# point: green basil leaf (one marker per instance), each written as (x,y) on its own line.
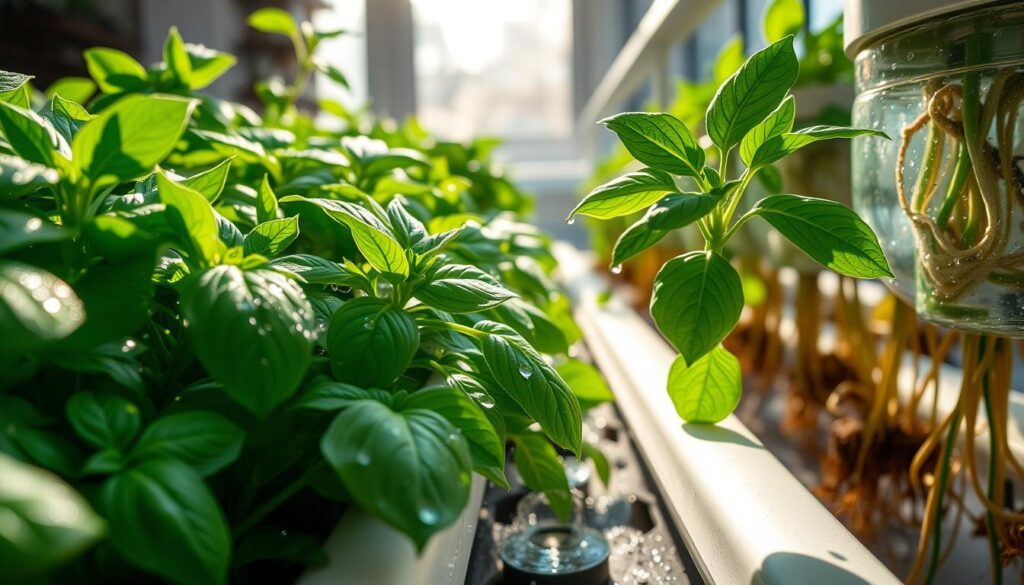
(32,137)
(207,65)
(103,420)
(783,18)
(786,144)
(164,519)
(747,97)
(116,361)
(19,229)
(371,235)
(193,217)
(410,468)
(474,389)
(669,213)
(534,385)
(777,123)
(324,394)
(433,245)
(10,81)
(115,71)
(541,469)
(586,383)
(228,232)
(461,288)
(317,270)
(697,300)
(486,447)
(409,231)
(113,312)
(266,320)
(708,390)
(266,202)
(46,523)
(48,450)
(66,117)
(635,239)
(536,326)
(209,183)
(828,232)
(19,176)
(604,469)
(272,237)
(103,462)
(659,141)
(205,441)
(681,209)
(370,342)
(36,307)
(127,140)
(14,88)
(274,21)
(333,73)
(176,58)
(625,195)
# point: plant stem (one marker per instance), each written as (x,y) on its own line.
(956,185)
(475,333)
(925,179)
(279,498)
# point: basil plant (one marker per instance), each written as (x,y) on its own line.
(219,330)
(698,296)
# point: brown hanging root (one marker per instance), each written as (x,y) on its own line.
(874,438)
(987,366)
(805,400)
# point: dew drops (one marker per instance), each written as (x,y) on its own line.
(571,221)
(51,305)
(525,370)
(33,224)
(363,458)
(128,346)
(428,516)
(252,321)
(617,269)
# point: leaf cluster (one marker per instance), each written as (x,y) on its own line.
(209,317)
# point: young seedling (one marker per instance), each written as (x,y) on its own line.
(698,296)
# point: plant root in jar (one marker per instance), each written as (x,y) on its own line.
(962,226)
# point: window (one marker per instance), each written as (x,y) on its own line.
(347,52)
(494,67)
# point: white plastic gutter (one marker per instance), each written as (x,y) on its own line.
(744,517)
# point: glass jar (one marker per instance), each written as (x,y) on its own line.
(946,194)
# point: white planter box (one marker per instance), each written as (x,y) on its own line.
(364,551)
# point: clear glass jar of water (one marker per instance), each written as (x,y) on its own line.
(946,194)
